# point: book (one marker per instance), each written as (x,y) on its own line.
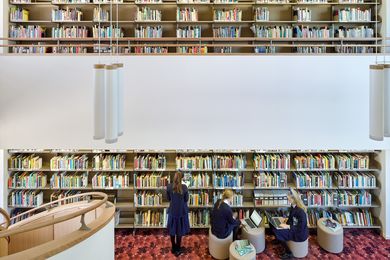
(194,162)
(243,247)
(271,161)
(150,162)
(28,180)
(25,162)
(69,180)
(270,180)
(109,162)
(67,14)
(148,14)
(69,162)
(232,162)
(199,217)
(228,180)
(199,198)
(151,180)
(232,15)
(147,198)
(111,181)
(187,14)
(331,225)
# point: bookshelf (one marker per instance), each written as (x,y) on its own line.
(195,27)
(344,184)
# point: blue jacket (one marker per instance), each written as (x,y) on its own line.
(298,224)
(177,202)
(222,221)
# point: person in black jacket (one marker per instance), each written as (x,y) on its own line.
(295,228)
(178,223)
(223,221)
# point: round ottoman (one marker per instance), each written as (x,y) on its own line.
(219,248)
(298,249)
(256,237)
(331,241)
(233,255)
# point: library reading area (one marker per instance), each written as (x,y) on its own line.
(194,129)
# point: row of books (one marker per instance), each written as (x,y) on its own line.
(150,162)
(228,180)
(270,198)
(148,32)
(238,198)
(198,198)
(199,180)
(272,161)
(109,162)
(199,218)
(107,32)
(100,15)
(243,213)
(302,14)
(194,162)
(354,49)
(18,14)
(69,32)
(229,162)
(107,181)
(147,49)
(310,161)
(344,217)
(28,180)
(313,180)
(353,161)
(189,32)
(187,14)
(352,15)
(356,180)
(148,14)
(147,198)
(69,162)
(308,49)
(151,218)
(192,49)
(270,180)
(68,14)
(336,198)
(27,162)
(262,14)
(69,180)
(30,31)
(228,15)
(25,198)
(151,180)
(57,195)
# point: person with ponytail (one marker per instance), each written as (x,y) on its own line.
(295,226)
(178,223)
(223,221)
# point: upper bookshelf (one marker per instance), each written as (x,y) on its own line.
(196,27)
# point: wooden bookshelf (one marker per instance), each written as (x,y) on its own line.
(280,15)
(124,196)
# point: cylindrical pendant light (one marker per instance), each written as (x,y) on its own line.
(376,102)
(111,115)
(386,100)
(120,98)
(99,101)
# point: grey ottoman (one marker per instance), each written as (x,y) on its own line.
(298,249)
(256,237)
(331,241)
(219,248)
(233,255)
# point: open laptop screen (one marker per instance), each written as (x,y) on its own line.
(256,218)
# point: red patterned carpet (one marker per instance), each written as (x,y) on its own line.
(155,244)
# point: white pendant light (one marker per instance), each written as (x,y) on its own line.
(120,98)
(99,101)
(376,102)
(386,96)
(111,114)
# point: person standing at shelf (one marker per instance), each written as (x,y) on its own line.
(178,223)
(223,220)
(294,227)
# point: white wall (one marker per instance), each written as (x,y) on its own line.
(99,246)
(291,102)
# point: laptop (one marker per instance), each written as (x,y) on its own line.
(275,221)
(254,220)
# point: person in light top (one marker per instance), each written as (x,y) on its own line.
(223,220)
(295,227)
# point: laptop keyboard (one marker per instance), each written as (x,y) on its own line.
(250,223)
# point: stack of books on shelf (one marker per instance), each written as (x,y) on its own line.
(28,180)
(107,32)
(110,181)
(309,49)
(232,162)
(353,49)
(272,161)
(283,31)
(100,15)
(150,50)
(228,180)
(270,198)
(355,180)
(350,14)
(109,162)
(31,49)
(23,32)
(302,14)
(319,198)
(270,180)
(106,1)
(69,32)
(265,49)
(238,198)
(198,198)
(355,32)
(194,163)
(227,32)
(197,180)
(355,198)
(71,1)
(272,1)
(148,1)
(308,32)
(354,218)
(151,218)
(199,217)
(225,1)
(243,213)
(19,14)
(26,162)
(69,180)
(148,32)
(69,162)
(147,198)
(25,198)
(313,180)
(66,15)
(148,162)
(151,180)
(66,49)
(232,15)
(223,49)
(312,161)
(148,14)
(311,1)
(189,32)
(353,162)
(188,14)
(262,14)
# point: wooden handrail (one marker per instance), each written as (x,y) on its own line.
(80,212)
(7,218)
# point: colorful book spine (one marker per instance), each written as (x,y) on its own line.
(100,15)
(309,49)
(188,14)
(110,181)
(272,1)
(148,1)
(199,218)
(238,198)
(109,162)
(228,180)
(68,49)
(72,162)
(193,1)
(69,180)
(19,14)
(198,198)
(309,32)
(69,32)
(30,31)
(233,15)
(349,14)
(355,180)
(243,213)
(355,198)
(148,14)
(270,198)
(151,180)
(229,162)
(150,50)
(272,161)
(302,14)
(227,32)
(192,49)
(265,49)
(312,1)
(313,215)
(66,15)
(107,32)
(106,1)
(270,180)
(71,1)
(25,198)
(27,180)
(147,198)
(272,32)
(319,198)
(353,162)
(355,32)
(148,162)
(25,162)
(150,218)
(225,1)
(29,50)
(313,180)
(353,49)
(148,32)
(194,163)
(199,180)
(312,161)
(57,195)
(262,14)
(189,32)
